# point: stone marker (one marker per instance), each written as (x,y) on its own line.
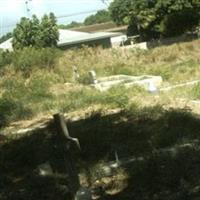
(45,169)
(93,77)
(152,88)
(75,74)
(83,194)
(148,82)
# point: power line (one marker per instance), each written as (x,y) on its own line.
(76,14)
(28,10)
(61,16)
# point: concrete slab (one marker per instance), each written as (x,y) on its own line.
(105,83)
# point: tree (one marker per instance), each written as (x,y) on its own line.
(120,11)
(156,18)
(5,37)
(22,34)
(35,32)
(100,17)
(48,32)
(73,24)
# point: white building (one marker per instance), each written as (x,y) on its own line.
(69,39)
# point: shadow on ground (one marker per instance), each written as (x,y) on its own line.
(167,140)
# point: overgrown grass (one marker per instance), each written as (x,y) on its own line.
(195,91)
(167,140)
(5,58)
(40,93)
(175,63)
(28,76)
(139,130)
(191,92)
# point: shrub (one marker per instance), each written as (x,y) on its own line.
(116,97)
(24,60)
(11,109)
(38,88)
(23,97)
(5,58)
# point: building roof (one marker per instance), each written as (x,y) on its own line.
(102,27)
(7,45)
(68,37)
(80,37)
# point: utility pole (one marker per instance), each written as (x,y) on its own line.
(1,23)
(106,2)
(28,10)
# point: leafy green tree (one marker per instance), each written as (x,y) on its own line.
(22,34)
(100,17)
(48,32)
(120,11)
(36,33)
(73,24)
(156,18)
(5,37)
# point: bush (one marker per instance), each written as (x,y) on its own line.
(116,97)
(5,58)
(38,88)
(23,97)
(24,60)
(11,109)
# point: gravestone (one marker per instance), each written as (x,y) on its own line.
(83,194)
(93,78)
(75,74)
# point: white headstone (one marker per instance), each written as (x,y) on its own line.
(75,74)
(83,194)
(152,88)
(45,169)
(92,75)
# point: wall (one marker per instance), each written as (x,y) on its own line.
(105,43)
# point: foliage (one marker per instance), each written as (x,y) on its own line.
(5,58)
(20,94)
(73,24)
(195,91)
(36,78)
(12,110)
(120,11)
(26,59)
(36,33)
(159,172)
(100,17)
(156,18)
(5,37)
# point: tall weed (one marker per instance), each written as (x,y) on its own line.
(29,58)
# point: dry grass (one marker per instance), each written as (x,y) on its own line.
(46,91)
(148,125)
(176,63)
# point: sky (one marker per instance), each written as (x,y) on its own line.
(12,10)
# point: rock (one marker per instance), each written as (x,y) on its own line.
(83,194)
(45,169)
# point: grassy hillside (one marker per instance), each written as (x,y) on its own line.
(36,82)
(159,129)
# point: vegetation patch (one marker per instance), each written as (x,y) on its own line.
(167,140)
